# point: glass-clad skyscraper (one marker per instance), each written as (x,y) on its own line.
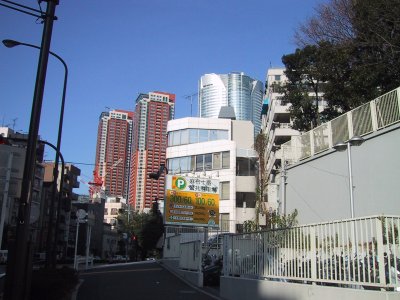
(237,90)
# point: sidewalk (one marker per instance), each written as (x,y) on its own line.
(212,291)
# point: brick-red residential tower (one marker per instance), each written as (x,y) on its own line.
(152,112)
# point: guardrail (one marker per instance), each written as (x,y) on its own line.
(361,252)
(88,261)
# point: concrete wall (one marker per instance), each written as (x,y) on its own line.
(242,134)
(172,265)
(319,187)
(239,288)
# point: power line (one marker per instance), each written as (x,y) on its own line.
(306,203)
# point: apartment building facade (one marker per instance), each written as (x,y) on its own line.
(152,113)
(113,152)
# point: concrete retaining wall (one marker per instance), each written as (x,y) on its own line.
(195,278)
(240,288)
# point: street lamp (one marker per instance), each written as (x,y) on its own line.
(342,146)
(10,44)
(19,268)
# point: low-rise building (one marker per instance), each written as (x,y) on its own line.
(112,207)
(221,149)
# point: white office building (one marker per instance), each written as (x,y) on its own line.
(221,149)
(237,90)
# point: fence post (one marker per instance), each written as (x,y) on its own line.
(374,116)
(312,142)
(398,98)
(225,254)
(350,124)
(313,253)
(380,249)
(199,266)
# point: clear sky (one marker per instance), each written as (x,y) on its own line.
(117,49)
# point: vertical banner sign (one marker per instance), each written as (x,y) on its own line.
(192,201)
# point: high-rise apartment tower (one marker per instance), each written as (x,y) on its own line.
(113,151)
(152,112)
(237,90)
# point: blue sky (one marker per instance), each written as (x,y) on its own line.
(115,50)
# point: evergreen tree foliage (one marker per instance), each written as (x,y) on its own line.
(152,231)
(147,228)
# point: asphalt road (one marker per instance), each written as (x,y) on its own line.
(143,280)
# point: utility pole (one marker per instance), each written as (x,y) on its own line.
(19,269)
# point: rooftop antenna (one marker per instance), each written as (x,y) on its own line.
(191,102)
(14,122)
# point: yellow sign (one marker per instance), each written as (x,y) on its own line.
(191,208)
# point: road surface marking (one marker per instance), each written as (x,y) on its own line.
(121,271)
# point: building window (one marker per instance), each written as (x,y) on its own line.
(245,166)
(217,160)
(106,211)
(176,138)
(203,135)
(225,187)
(225,160)
(193,136)
(199,162)
(245,199)
(224,222)
(213,135)
(185,137)
(208,161)
(114,211)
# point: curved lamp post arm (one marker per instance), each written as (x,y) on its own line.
(10,44)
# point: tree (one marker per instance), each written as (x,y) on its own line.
(377,39)
(132,223)
(260,146)
(282,221)
(250,226)
(303,87)
(152,231)
(353,49)
(332,23)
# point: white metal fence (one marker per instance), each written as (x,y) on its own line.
(190,256)
(190,245)
(171,247)
(372,116)
(361,252)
